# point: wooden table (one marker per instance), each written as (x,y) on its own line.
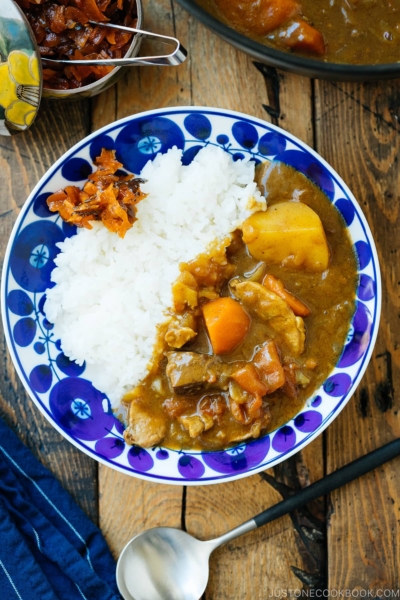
(350,540)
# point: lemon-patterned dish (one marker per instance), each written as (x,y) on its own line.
(20,72)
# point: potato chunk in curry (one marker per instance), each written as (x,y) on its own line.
(290,234)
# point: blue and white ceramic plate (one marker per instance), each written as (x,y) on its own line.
(59,387)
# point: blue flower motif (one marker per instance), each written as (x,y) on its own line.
(271,143)
(222,139)
(41,304)
(249,456)
(100,142)
(190,467)
(76,169)
(69,367)
(110,447)
(284,439)
(347,210)
(39,256)
(41,378)
(162,454)
(189,154)
(39,348)
(198,126)
(140,459)
(364,254)
(308,421)
(80,409)
(40,207)
(337,385)
(33,253)
(142,139)
(19,303)
(47,325)
(24,331)
(317,401)
(245,134)
(367,288)
(361,335)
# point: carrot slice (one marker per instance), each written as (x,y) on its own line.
(227,324)
(277,286)
(248,378)
(269,366)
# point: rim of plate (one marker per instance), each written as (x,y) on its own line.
(218,478)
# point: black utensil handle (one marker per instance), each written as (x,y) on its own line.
(331,482)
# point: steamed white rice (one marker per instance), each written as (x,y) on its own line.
(111,293)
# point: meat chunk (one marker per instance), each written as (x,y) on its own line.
(145,428)
(181,330)
(271,308)
(196,424)
(190,373)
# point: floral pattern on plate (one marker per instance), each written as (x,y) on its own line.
(59,387)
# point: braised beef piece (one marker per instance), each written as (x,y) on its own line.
(190,373)
(145,428)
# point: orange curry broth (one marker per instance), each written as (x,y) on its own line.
(329,296)
(342,31)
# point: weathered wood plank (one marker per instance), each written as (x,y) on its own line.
(126,505)
(358,133)
(254,565)
(23,160)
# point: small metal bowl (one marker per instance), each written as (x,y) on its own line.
(288,61)
(104,83)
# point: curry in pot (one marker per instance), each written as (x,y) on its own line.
(258,323)
(342,31)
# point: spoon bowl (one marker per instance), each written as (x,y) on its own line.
(163,564)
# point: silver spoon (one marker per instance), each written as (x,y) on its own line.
(169,564)
(173,59)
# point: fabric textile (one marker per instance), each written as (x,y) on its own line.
(49,549)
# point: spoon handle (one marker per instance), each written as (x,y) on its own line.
(323,486)
(331,482)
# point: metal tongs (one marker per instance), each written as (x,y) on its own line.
(177,57)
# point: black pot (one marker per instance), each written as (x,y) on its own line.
(288,61)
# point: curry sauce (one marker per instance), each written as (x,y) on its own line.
(340,31)
(191,398)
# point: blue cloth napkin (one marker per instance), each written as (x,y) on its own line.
(49,549)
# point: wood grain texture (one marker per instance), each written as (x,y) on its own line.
(357,131)
(128,506)
(253,565)
(23,160)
